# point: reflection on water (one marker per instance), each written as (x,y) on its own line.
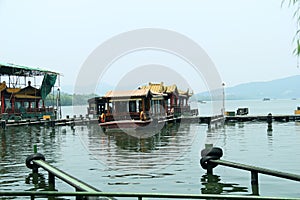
(212,184)
(16,144)
(37,180)
(166,162)
(121,151)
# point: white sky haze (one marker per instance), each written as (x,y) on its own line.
(248,40)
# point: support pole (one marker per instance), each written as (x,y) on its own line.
(51,181)
(35,148)
(209,170)
(254,182)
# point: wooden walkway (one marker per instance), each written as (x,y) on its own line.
(248,118)
(52,123)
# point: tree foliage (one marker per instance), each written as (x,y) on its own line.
(296,6)
(69,99)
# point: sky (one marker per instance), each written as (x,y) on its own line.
(247,40)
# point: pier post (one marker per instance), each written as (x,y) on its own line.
(35,169)
(209,123)
(209,170)
(3,124)
(269,121)
(210,153)
(35,148)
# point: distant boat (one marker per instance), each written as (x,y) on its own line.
(266,99)
(200,101)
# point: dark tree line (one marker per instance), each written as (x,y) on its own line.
(69,99)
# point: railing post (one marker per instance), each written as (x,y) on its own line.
(78,197)
(51,181)
(254,182)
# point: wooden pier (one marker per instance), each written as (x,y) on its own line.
(249,118)
(48,122)
(211,121)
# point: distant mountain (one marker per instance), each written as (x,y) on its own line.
(285,88)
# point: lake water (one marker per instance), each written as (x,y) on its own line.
(167,162)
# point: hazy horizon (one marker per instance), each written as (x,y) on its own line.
(247,41)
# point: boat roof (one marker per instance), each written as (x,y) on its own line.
(159,88)
(20,70)
(127,93)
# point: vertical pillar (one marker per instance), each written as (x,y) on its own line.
(79,197)
(2,102)
(13,104)
(254,182)
(3,124)
(37,105)
(51,181)
(35,148)
(269,121)
(209,170)
(209,123)
(143,105)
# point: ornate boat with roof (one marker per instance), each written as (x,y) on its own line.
(147,106)
(19,96)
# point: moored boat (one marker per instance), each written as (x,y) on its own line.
(21,97)
(128,109)
(146,107)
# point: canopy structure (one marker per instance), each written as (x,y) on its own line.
(21,100)
(19,70)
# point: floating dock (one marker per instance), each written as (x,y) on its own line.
(209,120)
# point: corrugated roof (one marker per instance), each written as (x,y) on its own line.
(127,93)
(171,89)
(157,88)
(19,70)
(185,93)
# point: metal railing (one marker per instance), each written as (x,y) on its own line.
(37,160)
(260,170)
(139,196)
(211,158)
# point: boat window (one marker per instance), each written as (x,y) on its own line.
(17,105)
(132,106)
(26,104)
(7,103)
(121,106)
(33,105)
